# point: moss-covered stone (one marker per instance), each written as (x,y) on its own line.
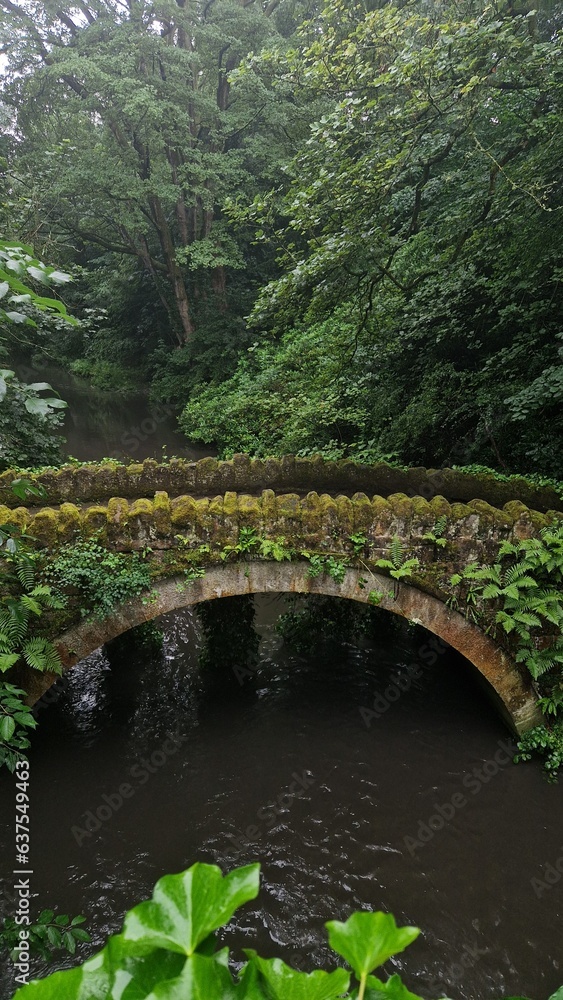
(459,511)
(69,522)
(162,513)
(402,506)
(230,505)
(491,516)
(118,511)
(184,512)
(94,519)
(269,506)
(44,527)
(249,511)
(345,510)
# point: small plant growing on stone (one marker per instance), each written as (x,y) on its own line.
(399,568)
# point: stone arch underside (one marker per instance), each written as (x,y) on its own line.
(513,693)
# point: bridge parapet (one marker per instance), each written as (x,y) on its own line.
(321,522)
(93,483)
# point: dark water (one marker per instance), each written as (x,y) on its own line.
(121,425)
(338,846)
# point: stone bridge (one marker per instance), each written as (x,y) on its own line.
(187,518)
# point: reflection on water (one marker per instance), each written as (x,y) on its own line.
(121,425)
(288,772)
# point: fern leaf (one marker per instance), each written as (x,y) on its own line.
(396,551)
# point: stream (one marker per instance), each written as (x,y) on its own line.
(349,799)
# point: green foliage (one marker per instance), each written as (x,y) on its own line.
(398,567)
(169,944)
(169,948)
(437,535)
(524,592)
(149,131)
(29,423)
(529,591)
(249,541)
(368,940)
(321,618)
(547,741)
(15,719)
(417,314)
(28,420)
(319,564)
(49,933)
(22,601)
(358,542)
(18,266)
(103,579)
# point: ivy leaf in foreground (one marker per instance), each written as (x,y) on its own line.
(285,983)
(186,908)
(202,978)
(367,940)
(112,974)
(393,989)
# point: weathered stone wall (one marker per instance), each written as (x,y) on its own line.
(209,477)
(321,523)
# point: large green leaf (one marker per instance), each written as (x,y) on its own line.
(367,940)
(112,974)
(393,989)
(186,908)
(285,983)
(7,727)
(203,977)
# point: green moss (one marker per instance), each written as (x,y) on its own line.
(249,512)
(142,511)
(441,507)
(459,511)
(362,510)
(401,505)
(118,511)
(268,503)
(422,510)
(95,519)
(345,514)
(289,506)
(184,512)
(162,513)
(230,505)
(44,526)
(70,521)
(135,469)
(491,516)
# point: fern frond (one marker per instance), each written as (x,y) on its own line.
(25,574)
(31,604)
(396,551)
(41,655)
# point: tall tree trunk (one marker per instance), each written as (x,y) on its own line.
(187,328)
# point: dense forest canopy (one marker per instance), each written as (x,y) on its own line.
(314,227)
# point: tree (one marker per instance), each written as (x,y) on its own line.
(425,210)
(129,125)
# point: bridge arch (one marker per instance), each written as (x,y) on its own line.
(513,693)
